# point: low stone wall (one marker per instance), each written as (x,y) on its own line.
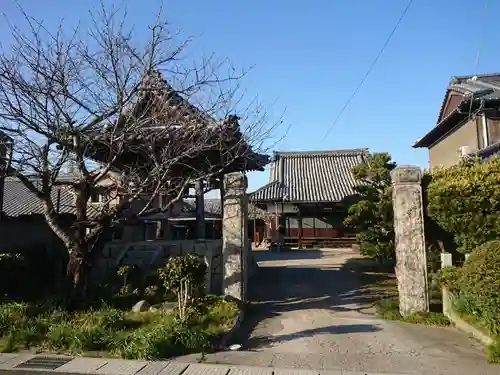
(154,253)
(461,324)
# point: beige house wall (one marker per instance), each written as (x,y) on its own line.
(445,152)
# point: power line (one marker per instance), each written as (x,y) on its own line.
(369,69)
(478,55)
(482,32)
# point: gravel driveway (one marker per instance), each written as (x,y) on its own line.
(308,312)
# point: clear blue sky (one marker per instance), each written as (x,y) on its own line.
(309,57)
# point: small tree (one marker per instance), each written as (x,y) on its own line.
(68,99)
(185,277)
(371,212)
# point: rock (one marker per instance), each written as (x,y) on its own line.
(168,305)
(164,306)
(141,306)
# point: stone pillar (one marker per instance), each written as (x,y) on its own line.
(446,261)
(235,236)
(411,258)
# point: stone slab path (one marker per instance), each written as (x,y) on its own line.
(23,364)
(308,312)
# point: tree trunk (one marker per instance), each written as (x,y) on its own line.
(76,275)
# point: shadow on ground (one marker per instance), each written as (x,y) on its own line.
(253,343)
(293,254)
(275,290)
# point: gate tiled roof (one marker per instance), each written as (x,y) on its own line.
(311,176)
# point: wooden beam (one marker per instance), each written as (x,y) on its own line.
(222,193)
(200,210)
(300,229)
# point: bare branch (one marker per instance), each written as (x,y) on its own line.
(133,121)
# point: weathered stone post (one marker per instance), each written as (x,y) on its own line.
(411,257)
(235,236)
(446,261)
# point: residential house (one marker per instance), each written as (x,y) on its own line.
(468,122)
(22,212)
(307,193)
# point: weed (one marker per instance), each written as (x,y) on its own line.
(146,335)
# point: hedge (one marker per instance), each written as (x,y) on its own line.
(465,200)
(476,285)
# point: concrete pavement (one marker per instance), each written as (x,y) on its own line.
(309,316)
(309,312)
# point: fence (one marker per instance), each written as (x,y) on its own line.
(149,254)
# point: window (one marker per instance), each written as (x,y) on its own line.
(493,130)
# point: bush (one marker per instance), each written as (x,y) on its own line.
(478,284)
(464,200)
(178,270)
(448,277)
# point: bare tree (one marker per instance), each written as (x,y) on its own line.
(109,106)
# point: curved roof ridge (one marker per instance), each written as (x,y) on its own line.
(322,152)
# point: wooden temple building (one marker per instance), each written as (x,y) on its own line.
(194,144)
(185,222)
(307,192)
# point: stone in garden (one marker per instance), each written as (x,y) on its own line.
(141,306)
(168,305)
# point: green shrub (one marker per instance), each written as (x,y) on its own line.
(189,269)
(448,277)
(479,285)
(464,200)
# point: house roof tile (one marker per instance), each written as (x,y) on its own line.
(19,200)
(311,176)
(474,89)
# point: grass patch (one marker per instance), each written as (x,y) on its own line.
(468,311)
(379,284)
(389,309)
(147,335)
(493,351)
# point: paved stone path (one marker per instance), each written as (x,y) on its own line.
(308,313)
(23,364)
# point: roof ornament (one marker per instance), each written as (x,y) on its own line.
(474,78)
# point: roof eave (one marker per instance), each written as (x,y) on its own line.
(442,128)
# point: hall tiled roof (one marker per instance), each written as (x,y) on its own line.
(311,176)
